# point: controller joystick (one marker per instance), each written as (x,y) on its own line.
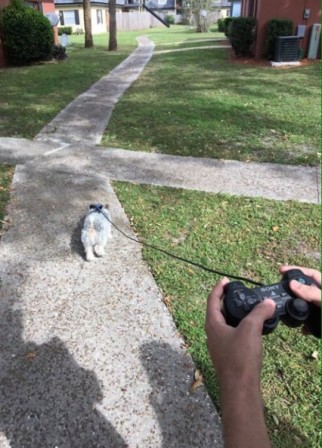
(239,300)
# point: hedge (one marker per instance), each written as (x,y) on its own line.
(241,33)
(26,33)
(65,30)
(275,28)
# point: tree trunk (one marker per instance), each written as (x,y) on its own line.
(88,24)
(112,45)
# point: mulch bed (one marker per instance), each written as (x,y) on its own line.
(252,62)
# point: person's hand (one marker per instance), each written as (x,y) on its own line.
(310,293)
(236,353)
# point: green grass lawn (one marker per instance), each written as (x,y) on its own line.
(190,103)
(32,96)
(242,236)
(6,174)
(197,103)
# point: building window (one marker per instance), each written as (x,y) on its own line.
(69,17)
(99,16)
(35,5)
(252,8)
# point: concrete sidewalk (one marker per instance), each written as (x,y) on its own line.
(267,180)
(90,356)
(86,118)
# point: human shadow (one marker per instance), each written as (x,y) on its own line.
(75,241)
(47,399)
(187,418)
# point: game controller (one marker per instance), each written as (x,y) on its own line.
(238,301)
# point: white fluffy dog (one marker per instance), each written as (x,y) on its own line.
(96,230)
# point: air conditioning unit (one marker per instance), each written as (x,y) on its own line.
(314,41)
(287,49)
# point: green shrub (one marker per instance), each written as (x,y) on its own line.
(227,22)
(275,28)
(169,19)
(221,25)
(65,30)
(26,33)
(241,32)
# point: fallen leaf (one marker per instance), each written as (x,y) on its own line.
(275,228)
(31,355)
(6,224)
(315,354)
(275,420)
(198,380)
(167,301)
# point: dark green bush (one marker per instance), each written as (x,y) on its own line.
(27,34)
(65,30)
(275,28)
(221,25)
(169,19)
(241,32)
(227,22)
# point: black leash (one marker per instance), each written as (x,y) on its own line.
(99,207)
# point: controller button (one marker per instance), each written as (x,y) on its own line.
(251,300)
(241,295)
(250,303)
(238,302)
(247,306)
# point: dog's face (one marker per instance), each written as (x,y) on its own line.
(97,207)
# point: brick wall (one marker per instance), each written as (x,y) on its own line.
(265,10)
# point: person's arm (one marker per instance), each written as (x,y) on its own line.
(236,354)
(242,415)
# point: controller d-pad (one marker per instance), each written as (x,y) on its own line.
(241,295)
(250,303)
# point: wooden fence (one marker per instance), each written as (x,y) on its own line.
(134,20)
